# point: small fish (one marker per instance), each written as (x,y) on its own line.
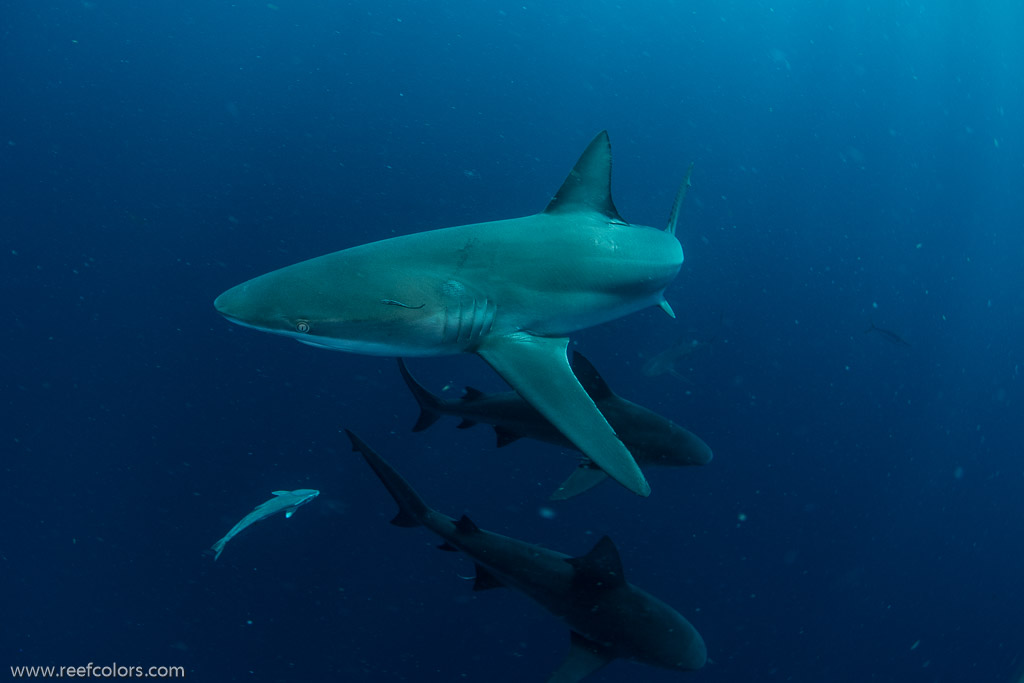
(286,501)
(888,335)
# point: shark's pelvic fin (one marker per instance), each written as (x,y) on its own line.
(584,658)
(504,436)
(538,369)
(581,480)
(589,185)
(411,508)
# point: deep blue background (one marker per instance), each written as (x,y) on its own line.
(863,516)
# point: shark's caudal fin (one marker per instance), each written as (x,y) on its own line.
(589,185)
(538,369)
(411,508)
(429,404)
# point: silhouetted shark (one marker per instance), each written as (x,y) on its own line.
(608,617)
(651,438)
(887,335)
(510,291)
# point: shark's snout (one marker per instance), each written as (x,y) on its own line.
(232,304)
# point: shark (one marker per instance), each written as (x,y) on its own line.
(283,501)
(608,617)
(650,438)
(510,291)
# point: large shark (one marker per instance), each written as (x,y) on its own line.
(608,617)
(510,291)
(651,438)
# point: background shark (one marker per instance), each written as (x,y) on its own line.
(608,617)
(510,291)
(651,438)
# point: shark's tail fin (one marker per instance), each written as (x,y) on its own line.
(411,508)
(429,404)
(217,549)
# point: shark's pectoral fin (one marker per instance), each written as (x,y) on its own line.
(585,657)
(538,369)
(580,481)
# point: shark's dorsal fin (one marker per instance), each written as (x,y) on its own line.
(280,493)
(584,658)
(466,525)
(601,568)
(590,378)
(485,580)
(589,185)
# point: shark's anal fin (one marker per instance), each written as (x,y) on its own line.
(584,658)
(538,369)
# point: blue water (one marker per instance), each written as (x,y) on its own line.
(855,164)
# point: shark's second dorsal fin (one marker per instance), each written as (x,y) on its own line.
(601,568)
(466,525)
(590,378)
(589,185)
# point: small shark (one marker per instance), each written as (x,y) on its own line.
(666,362)
(887,335)
(288,501)
(651,438)
(608,617)
(510,291)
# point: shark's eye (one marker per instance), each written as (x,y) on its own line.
(302,326)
